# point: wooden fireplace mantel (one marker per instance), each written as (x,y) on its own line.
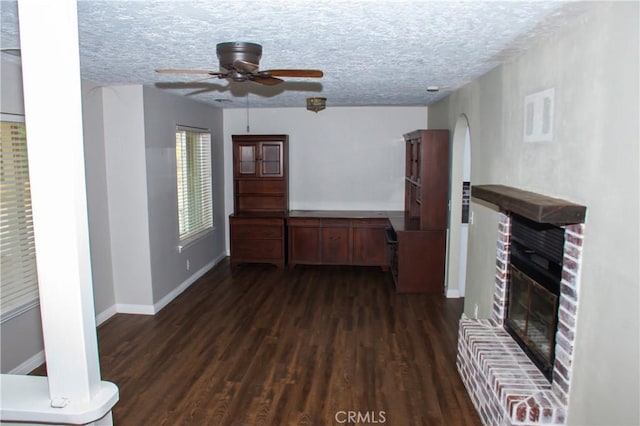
(537,207)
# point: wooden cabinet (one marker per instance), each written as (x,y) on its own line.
(337,238)
(304,241)
(259,157)
(418,244)
(256,239)
(336,247)
(260,182)
(260,198)
(427,177)
(417,258)
(369,242)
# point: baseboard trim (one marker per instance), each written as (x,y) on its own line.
(453,294)
(106,314)
(186,284)
(128,308)
(30,364)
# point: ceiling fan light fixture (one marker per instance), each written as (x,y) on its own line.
(316,104)
(229,52)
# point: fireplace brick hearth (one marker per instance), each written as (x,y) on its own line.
(503,383)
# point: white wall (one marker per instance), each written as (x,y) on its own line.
(124,140)
(97,201)
(593,65)
(343,158)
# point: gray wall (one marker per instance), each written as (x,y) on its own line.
(162,112)
(593,65)
(139,123)
(130,170)
(22,343)
(20,337)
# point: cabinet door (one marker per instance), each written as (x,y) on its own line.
(335,245)
(246,160)
(304,244)
(421,261)
(435,180)
(271,158)
(369,245)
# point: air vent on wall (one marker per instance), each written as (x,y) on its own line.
(538,116)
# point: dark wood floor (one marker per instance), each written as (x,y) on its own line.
(261,346)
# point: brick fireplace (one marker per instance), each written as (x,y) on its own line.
(503,383)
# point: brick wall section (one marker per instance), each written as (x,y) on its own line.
(503,252)
(567,312)
(504,385)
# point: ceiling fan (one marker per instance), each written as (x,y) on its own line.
(239,62)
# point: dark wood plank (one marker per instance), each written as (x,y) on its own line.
(256,345)
(537,207)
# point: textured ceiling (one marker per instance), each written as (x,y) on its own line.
(372,52)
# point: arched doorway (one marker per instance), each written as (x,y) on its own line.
(460,191)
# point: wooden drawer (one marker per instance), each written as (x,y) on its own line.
(260,202)
(250,186)
(256,232)
(257,249)
(296,221)
(336,222)
(370,223)
(262,221)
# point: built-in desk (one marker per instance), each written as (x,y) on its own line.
(338,237)
(375,238)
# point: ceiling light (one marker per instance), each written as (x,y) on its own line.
(432,88)
(316,104)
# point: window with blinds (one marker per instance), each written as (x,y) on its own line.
(19,280)
(195,203)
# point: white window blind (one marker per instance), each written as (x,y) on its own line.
(19,280)
(195,203)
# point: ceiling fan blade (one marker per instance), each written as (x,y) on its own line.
(245,66)
(188,71)
(202,79)
(294,73)
(265,79)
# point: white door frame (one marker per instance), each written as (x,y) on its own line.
(455,277)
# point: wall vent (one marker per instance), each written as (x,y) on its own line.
(538,119)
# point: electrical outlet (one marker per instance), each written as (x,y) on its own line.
(475,311)
(188,265)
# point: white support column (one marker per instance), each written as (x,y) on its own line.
(53,115)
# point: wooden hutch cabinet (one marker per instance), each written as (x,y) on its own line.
(259,173)
(418,243)
(260,199)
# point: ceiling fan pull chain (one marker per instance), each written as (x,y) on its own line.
(248,129)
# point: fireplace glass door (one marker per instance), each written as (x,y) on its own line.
(532,317)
